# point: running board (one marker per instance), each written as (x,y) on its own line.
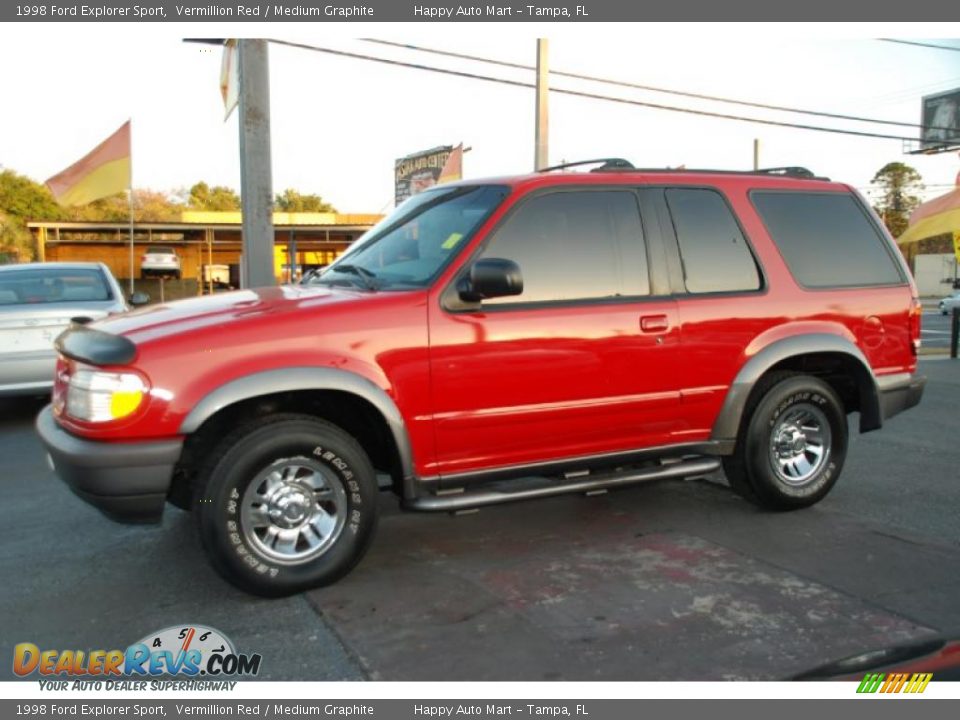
(455,500)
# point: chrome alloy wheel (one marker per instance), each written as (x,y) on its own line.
(800,444)
(293,511)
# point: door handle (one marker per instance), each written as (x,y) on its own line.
(654,323)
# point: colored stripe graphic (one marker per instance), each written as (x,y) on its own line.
(894,683)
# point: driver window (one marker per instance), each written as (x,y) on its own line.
(575,245)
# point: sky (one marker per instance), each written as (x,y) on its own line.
(338,124)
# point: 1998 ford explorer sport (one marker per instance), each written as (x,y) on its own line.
(500,340)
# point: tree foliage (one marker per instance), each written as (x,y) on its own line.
(148,206)
(896,184)
(219,197)
(292,201)
(22,200)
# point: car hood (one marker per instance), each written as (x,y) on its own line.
(213,311)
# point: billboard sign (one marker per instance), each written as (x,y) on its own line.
(415,173)
(941,120)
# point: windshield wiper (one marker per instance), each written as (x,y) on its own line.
(366,276)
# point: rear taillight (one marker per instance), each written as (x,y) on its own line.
(61,381)
(916,313)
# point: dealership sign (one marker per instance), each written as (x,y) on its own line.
(941,120)
(415,173)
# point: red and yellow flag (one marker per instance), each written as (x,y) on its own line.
(102,172)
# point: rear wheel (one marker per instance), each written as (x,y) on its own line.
(792,444)
(290,503)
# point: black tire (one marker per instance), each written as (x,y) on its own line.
(259,461)
(775,464)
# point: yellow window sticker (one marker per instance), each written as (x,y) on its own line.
(451,242)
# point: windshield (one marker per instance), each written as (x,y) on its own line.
(409,248)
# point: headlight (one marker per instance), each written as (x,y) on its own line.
(97,396)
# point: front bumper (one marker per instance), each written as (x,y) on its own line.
(899,393)
(128,482)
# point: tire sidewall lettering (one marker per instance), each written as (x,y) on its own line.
(248,556)
(826,474)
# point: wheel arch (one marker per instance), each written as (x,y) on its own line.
(303,388)
(833,356)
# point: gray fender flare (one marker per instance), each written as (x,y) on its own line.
(727,425)
(305,378)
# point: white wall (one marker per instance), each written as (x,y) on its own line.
(931,270)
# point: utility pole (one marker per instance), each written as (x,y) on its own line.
(756,153)
(541,128)
(256,181)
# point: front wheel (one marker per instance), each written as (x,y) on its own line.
(290,503)
(792,444)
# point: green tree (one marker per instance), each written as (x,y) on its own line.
(292,201)
(896,184)
(23,200)
(219,197)
(148,206)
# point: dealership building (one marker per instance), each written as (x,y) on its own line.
(301,241)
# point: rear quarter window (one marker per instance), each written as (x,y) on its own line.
(713,251)
(826,239)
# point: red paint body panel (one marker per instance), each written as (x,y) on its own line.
(518,387)
(481,390)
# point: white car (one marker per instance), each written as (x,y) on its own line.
(37,303)
(160,262)
(949,303)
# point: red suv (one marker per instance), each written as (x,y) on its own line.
(501,340)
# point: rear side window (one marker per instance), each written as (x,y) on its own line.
(713,250)
(574,245)
(826,239)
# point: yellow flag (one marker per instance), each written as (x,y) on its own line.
(104,171)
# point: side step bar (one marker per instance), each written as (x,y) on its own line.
(452,501)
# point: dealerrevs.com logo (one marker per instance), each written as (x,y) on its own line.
(180,651)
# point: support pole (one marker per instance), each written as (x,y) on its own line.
(292,256)
(131,238)
(210,235)
(256,184)
(541,129)
(954,332)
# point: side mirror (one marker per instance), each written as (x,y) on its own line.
(491,278)
(139,298)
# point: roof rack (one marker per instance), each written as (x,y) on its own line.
(621,165)
(608,164)
(790,171)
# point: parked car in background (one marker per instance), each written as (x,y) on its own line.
(949,303)
(160,262)
(37,302)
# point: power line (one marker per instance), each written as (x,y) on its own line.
(592,96)
(921,44)
(651,88)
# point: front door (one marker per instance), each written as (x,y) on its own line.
(583,362)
